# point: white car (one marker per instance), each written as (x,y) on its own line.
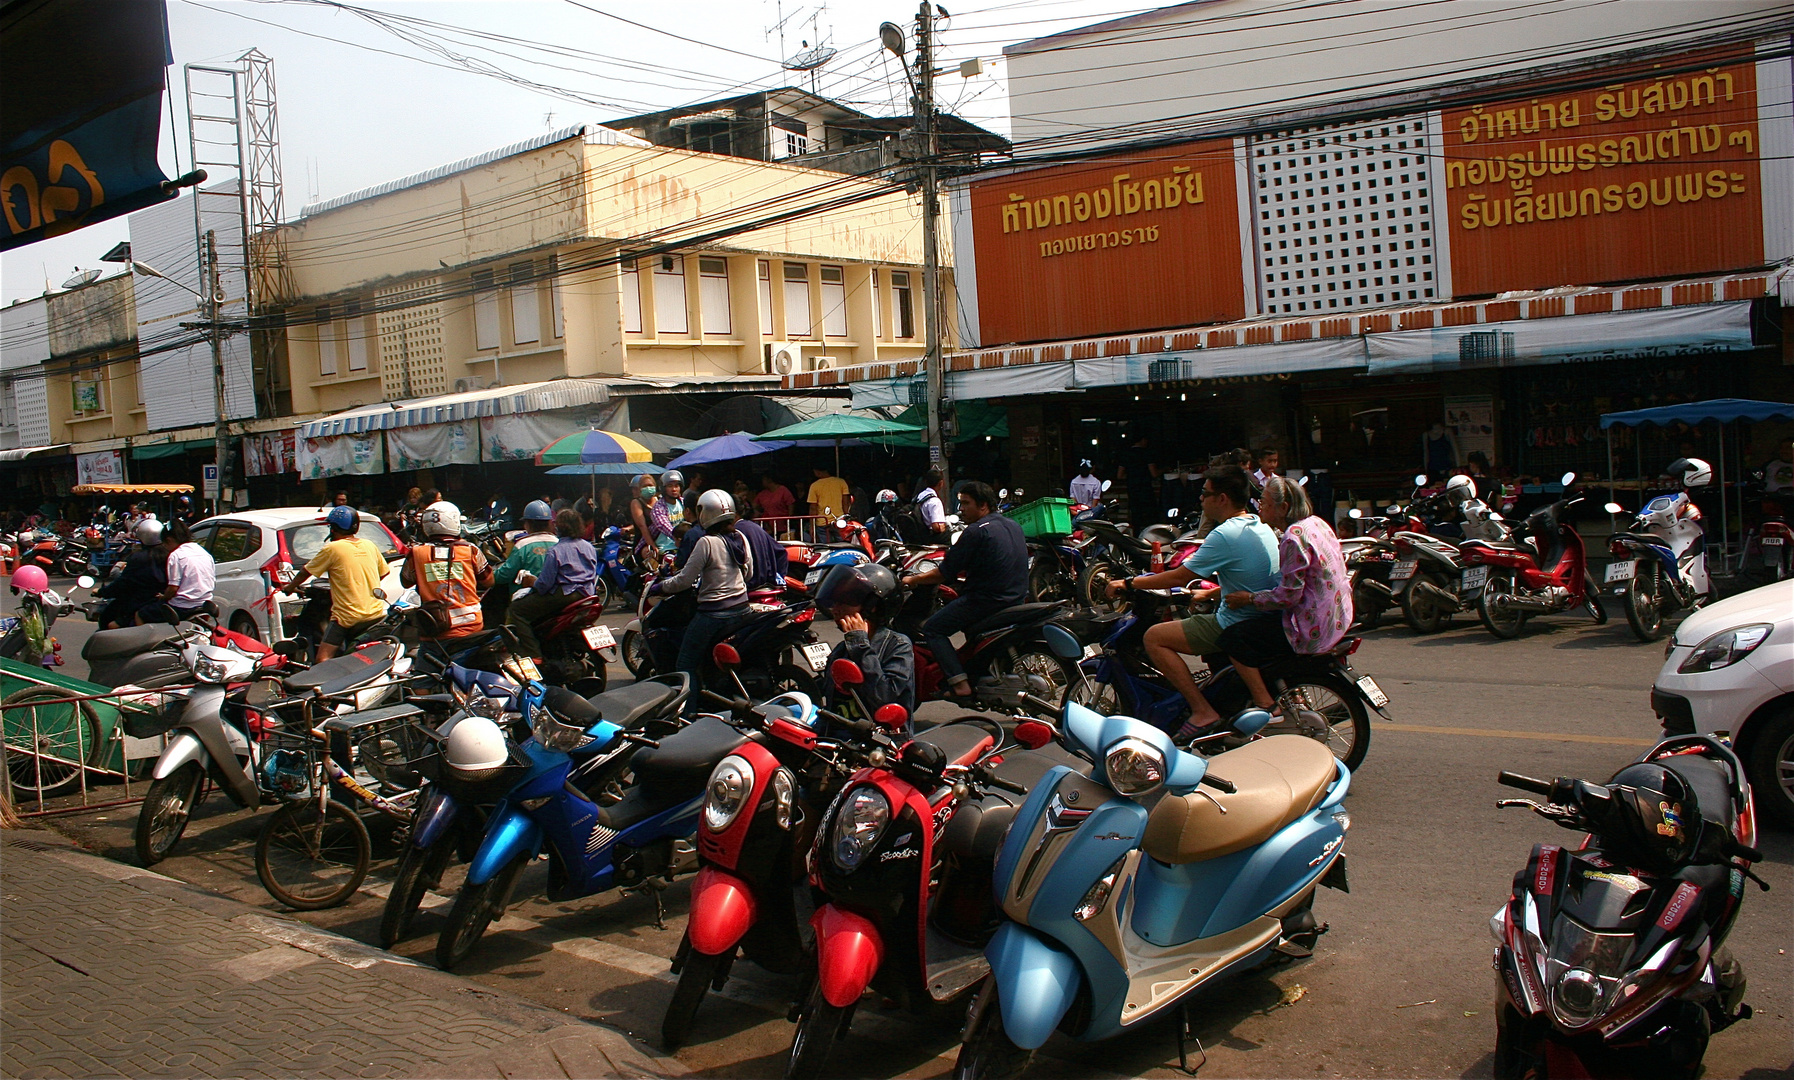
(258,551)
(1730,671)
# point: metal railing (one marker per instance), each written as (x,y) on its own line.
(55,745)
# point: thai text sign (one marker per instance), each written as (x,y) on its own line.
(1140,241)
(1647,176)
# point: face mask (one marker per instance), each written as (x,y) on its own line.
(648,493)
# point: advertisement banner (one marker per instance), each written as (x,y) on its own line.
(100,467)
(270,453)
(1616,335)
(342,455)
(517,436)
(1652,175)
(1139,242)
(426,446)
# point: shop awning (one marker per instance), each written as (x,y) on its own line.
(447,408)
(1612,335)
(132,489)
(24,452)
(169,449)
(1724,410)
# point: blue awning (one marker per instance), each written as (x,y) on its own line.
(1724,410)
(447,408)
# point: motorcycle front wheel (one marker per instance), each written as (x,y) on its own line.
(987,1052)
(1422,611)
(419,870)
(167,807)
(1644,604)
(636,656)
(1367,608)
(1093,585)
(819,1027)
(475,908)
(695,979)
(1504,624)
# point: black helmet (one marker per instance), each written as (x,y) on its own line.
(1657,818)
(867,585)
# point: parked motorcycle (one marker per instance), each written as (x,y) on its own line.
(1610,956)
(1659,563)
(1542,571)
(1769,546)
(1119,913)
(1009,642)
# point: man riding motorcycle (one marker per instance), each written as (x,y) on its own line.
(143,578)
(448,573)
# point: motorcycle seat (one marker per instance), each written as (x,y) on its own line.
(688,754)
(962,743)
(1011,616)
(1650,539)
(628,706)
(127,641)
(1707,779)
(341,673)
(979,825)
(1277,780)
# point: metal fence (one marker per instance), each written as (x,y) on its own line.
(60,747)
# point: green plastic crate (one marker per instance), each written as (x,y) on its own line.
(1044,517)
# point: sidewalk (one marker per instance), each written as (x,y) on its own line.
(111,970)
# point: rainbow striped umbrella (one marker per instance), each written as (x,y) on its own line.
(593,447)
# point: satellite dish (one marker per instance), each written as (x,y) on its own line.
(810,59)
(81,278)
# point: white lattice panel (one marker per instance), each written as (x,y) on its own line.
(411,352)
(1344,216)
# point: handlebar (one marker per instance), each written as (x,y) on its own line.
(1525,783)
(861,727)
(733,704)
(641,740)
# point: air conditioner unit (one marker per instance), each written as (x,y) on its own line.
(784,357)
(824,363)
(467,384)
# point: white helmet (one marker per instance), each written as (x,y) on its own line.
(715,507)
(1693,471)
(886,497)
(476,748)
(441,519)
(149,532)
(1460,489)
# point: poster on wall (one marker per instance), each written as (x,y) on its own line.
(100,467)
(1472,420)
(1654,174)
(426,446)
(1107,246)
(518,436)
(270,453)
(342,455)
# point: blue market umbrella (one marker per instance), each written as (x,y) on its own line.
(736,446)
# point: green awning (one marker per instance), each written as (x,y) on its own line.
(168,449)
(976,419)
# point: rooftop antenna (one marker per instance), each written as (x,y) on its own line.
(813,57)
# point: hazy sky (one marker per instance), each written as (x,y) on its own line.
(360,105)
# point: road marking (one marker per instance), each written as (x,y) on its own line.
(1508,733)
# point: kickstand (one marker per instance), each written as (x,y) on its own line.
(1184,1037)
(654,887)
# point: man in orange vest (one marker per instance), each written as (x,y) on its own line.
(449,574)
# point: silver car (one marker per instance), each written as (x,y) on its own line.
(259,551)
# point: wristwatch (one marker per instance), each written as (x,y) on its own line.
(1129,585)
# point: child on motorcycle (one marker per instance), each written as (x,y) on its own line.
(861,599)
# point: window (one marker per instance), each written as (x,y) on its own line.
(765,298)
(233,541)
(485,311)
(554,297)
(789,138)
(878,308)
(834,301)
(669,295)
(713,295)
(903,314)
(797,300)
(632,298)
(326,342)
(305,541)
(356,330)
(526,311)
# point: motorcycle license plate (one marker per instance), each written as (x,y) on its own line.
(1372,691)
(816,656)
(1403,570)
(1620,571)
(1774,541)
(1475,577)
(814,578)
(599,637)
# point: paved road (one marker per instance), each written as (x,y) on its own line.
(1401,986)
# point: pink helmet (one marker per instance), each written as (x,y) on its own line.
(31,579)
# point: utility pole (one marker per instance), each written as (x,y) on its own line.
(934,361)
(220,430)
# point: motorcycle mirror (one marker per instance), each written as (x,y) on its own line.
(725,655)
(892,715)
(1392,509)
(840,523)
(1420,479)
(1495,515)
(1107,483)
(1614,508)
(1018,493)
(1302,482)
(85,581)
(1568,479)
(1033,734)
(845,673)
(1251,722)
(1354,513)
(1004,494)
(1171,512)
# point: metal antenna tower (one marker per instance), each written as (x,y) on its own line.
(271,278)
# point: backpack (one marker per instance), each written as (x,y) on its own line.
(911,526)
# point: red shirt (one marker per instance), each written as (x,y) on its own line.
(775,503)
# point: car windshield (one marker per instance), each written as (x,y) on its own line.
(305,541)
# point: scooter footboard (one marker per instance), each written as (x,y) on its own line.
(1037,981)
(848,953)
(510,833)
(722,911)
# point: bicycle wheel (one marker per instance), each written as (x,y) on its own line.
(48,740)
(310,860)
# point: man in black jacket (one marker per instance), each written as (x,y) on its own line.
(141,581)
(991,558)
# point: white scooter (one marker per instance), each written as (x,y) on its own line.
(1660,561)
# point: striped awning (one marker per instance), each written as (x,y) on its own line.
(447,408)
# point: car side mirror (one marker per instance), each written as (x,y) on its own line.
(893,715)
(845,673)
(1033,734)
(725,655)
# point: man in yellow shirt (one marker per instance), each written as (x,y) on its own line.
(828,496)
(355,567)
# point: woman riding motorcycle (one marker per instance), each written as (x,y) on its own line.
(861,599)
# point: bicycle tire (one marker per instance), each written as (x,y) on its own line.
(311,861)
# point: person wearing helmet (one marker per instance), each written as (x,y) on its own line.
(569,573)
(141,579)
(667,512)
(527,554)
(448,573)
(191,577)
(355,568)
(881,525)
(720,568)
(861,599)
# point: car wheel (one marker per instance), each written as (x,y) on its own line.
(1770,766)
(244,623)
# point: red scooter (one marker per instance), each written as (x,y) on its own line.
(1543,571)
(760,810)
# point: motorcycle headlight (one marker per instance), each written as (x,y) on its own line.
(1726,648)
(862,820)
(1098,894)
(1135,767)
(207,670)
(731,782)
(1583,971)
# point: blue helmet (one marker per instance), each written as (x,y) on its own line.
(538,511)
(344,518)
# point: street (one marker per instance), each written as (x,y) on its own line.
(1400,986)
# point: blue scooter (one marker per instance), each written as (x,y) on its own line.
(641,840)
(617,576)
(1119,912)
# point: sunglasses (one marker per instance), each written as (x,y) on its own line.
(1209,493)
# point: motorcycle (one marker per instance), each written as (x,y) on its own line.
(1610,956)
(1369,559)
(1544,573)
(1009,642)
(617,572)
(1119,913)
(1769,547)
(1659,563)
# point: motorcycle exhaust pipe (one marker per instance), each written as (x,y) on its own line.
(1526,603)
(1448,601)
(1379,587)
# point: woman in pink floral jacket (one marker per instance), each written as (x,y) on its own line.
(1315,597)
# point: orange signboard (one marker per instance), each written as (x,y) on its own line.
(1139,241)
(1652,175)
